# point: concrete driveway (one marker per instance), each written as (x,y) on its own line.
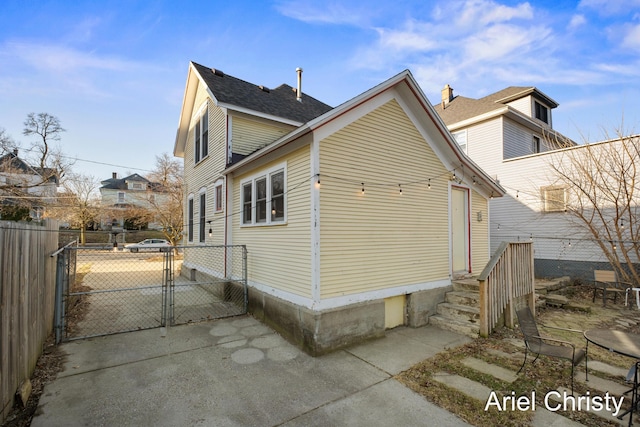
(238,372)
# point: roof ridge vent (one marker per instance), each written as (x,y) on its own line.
(264,89)
(217,72)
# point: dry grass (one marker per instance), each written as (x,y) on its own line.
(545,375)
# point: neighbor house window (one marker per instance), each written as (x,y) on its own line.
(137,186)
(201,136)
(263,198)
(218,199)
(535,145)
(203,215)
(120,196)
(461,139)
(554,199)
(190,219)
(541,112)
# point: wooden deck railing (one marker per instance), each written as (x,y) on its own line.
(508,276)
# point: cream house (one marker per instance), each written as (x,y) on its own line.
(119,196)
(356,218)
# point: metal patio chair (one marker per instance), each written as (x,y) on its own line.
(606,281)
(549,347)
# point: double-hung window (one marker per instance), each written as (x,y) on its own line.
(541,112)
(461,139)
(203,216)
(554,198)
(120,196)
(201,136)
(190,219)
(218,198)
(264,198)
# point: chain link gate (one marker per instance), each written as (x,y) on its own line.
(101,292)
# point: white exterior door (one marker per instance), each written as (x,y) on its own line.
(459,229)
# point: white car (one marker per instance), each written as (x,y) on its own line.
(160,245)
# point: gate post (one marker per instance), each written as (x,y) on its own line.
(59,308)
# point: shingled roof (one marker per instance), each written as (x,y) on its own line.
(461,108)
(279,102)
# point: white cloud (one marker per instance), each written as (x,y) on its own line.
(504,42)
(62,59)
(324,12)
(610,7)
(414,36)
(483,12)
(577,21)
(631,39)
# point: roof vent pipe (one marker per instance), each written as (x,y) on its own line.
(299,91)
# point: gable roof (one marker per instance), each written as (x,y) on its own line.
(11,163)
(232,93)
(280,102)
(462,108)
(121,183)
(408,89)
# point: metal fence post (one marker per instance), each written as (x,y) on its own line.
(59,309)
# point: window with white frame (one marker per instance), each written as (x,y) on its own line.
(461,139)
(120,196)
(218,197)
(554,198)
(541,112)
(535,145)
(201,136)
(203,216)
(190,219)
(263,198)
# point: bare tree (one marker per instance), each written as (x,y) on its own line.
(165,197)
(28,179)
(78,204)
(601,187)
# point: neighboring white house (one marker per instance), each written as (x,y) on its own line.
(120,195)
(356,218)
(22,184)
(510,135)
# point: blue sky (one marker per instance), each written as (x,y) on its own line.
(114,72)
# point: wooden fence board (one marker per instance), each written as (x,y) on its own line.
(27,290)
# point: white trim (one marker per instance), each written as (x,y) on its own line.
(265,173)
(314,192)
(346,300)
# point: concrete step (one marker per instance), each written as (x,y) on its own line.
(459,312)
(468,298)
(465,328)
(466,285)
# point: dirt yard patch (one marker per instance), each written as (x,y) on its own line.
(502,349)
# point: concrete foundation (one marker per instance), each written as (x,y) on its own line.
(320,332)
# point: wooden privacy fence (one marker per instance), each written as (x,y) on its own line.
(508,277)
(27,290)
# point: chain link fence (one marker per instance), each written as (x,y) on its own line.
(105,292)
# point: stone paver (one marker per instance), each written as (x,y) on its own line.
(607,369)
(544,418)
(466,386)
(491,369)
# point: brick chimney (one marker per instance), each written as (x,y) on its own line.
(447,95)
(114,175)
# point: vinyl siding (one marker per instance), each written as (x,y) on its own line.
(523,105)
(484,144)
(280,255)
(251,135)
(381,239)
(208,170)
(517,140)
